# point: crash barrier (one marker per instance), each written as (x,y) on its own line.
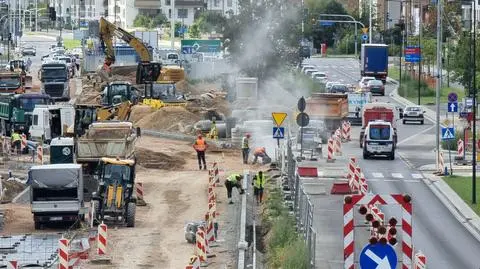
(139,192)
(102,239)
(63,258)
(12,265)
(194,263)
(346,131)
(420,261)
(200,246)
(338,142)
(460,148)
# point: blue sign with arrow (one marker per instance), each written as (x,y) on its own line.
(448,133)
(279,132)
(452,107)
(364,37)
(378,256)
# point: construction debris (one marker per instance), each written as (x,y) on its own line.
(158,160)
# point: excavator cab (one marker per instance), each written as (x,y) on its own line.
(115,198)
(148,72)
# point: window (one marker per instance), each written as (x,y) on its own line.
(229,3)
(35,119)
(168,2)
(169,13)
(182,13)
(117,9)
(379,132)
(216,3)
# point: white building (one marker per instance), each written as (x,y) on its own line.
(226,7)
(122,12)
(86,10)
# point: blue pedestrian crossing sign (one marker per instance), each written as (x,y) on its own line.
(448,133)
(452,107)
(378,256)
(279,132)
(364,37)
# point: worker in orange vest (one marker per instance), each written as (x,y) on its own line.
(200,146)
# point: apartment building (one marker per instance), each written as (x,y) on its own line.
(76,10)
(226,7)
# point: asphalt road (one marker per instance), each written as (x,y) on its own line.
(437,233)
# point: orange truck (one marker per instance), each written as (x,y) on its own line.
(331,108)
(378,111)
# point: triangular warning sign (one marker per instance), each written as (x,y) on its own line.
(279,117)
(278,133)
(448,134)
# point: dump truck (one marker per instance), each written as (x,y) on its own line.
(356,101)
(12,82)
(56,193)
(55,80)
(331,108)
(378,111)
(50,121)
(374,61)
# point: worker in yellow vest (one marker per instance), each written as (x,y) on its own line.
(233,181)
(258,186)
(16,141)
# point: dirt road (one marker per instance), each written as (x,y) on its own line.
(174,197)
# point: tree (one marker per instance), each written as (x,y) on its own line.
(149,22)
(141,21)
(210,21)
(194,31)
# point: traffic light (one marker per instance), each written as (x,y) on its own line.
(52,13)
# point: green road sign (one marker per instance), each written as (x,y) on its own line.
(199,45)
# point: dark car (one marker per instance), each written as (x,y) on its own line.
(29,51)
(339,88)
(376,87)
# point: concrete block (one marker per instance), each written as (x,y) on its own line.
(315,188)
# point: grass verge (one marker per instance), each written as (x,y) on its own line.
(463,187)
(286,249)
(71,43)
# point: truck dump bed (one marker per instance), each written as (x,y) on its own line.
(327,106)
(106,139)
(378,111)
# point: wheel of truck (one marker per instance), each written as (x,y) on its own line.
(365,155)
(95,204)
(38,225)
(131,208)
(392,155)
(421,122)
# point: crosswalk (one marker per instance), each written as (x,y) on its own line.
(395,176)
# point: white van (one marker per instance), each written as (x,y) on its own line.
(379,139)
(50,121)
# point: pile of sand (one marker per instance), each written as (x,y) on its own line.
(174,119)
(139,112)
(12,189)
(158,160)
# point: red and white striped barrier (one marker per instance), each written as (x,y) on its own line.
(216,175)
(351,167)
(63,258)
(210,232)
(12,265)
(40,154)
(200,248)
(139,192)
(363,184)
(349,131)
(460,148)
(420,261)
(351,201)
(330,150)
(354,183)
(212,197)
(377,216)
(24,141)
(194,263)
(211,178)
(344,131)
(441,163)
(102,239)
(338,142)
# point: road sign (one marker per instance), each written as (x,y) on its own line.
(452,107)
(364,37)
(279,117)
(303,119)
(301,105)
(365,30)
(452,97)
(278,132)
(326,23)
(378,256)
(413,54)
(187,49)
(200,45)
(448,133)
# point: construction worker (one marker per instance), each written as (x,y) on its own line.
(262,153)
(258,186)
(200,146)
(16,141)
(213,130)
(233,181)
(245,148)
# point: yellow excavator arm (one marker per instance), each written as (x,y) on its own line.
(108,30)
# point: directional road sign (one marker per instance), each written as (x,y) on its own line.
(452,107)
(378,256)
(364,37)
(452,97)
(279,117)
(448,133)
(278,132)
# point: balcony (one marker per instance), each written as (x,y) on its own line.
(190,3)
(147,4)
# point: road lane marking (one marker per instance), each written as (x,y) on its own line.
(412,180)
(397,175)
(391,180)
(417,176)
(320,173)
(413,136)
(378,175)
(373,179)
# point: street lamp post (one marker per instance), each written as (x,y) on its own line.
(370,22)
(474,133)
(439,75)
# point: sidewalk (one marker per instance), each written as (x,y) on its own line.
(461,210)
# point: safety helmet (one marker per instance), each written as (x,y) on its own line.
(247,135)
(200,136)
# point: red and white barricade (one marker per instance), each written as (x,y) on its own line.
(194,263)
(330,150)
(24,141)
(200,247)
(352,165)
(102,239)
(420,261)
(63,259)
(12,265)
(460,148)
(139,192)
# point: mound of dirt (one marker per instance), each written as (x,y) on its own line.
(168,119)
(139,112)
(12,189)
(158,160)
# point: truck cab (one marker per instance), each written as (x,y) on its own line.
(54,76)
(379,139)
(118,92)
(50,121)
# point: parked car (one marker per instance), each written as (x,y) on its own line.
(307,67)
(364,81)
(376,87)
(320,76)
(29,50)
(413,113)
(338,88)
(329,85)
(309,72)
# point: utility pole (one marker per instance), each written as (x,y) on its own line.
(370,22)
(420,28)
(36,15)
(172,25)
(474,131)
(303,19)
(439,76)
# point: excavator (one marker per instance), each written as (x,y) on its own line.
(158,79)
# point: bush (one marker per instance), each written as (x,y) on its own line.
(409,88)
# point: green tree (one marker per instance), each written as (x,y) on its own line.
(461,62)
(142,21)
(194,31)
(210,21)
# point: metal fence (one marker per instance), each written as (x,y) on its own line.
(302,206)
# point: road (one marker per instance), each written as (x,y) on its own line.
(436,232)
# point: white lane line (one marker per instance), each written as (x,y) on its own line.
(417,176)
(413,136)
(412,180)
(373,179)
(397,175)
(391,180)
(377,175)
